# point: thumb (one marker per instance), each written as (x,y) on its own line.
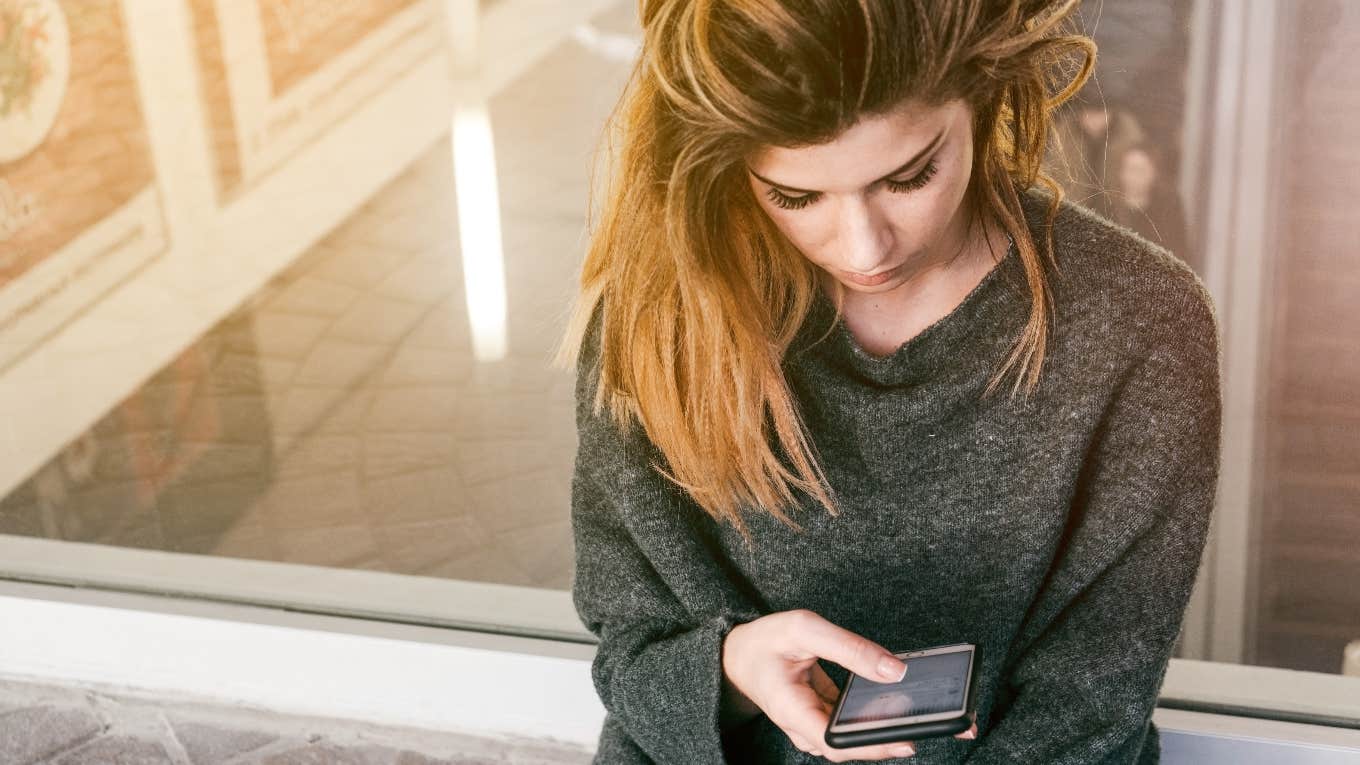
(856,653)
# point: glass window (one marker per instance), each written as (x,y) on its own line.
(1226,133)
(282,285)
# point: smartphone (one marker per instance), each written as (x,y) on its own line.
(934,698)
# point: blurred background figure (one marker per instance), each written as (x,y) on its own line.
(1089,139)
(1106,161)
(1146,200)
(1129,121)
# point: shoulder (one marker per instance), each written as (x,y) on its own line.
(1112,282)
(610,438)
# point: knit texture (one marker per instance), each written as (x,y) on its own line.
(1060,534)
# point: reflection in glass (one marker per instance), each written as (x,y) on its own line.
(373,405)
(383,400)
(479,230)
(1305,607)
(1116,144)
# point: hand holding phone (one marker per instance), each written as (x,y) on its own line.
(772,662)
(933,698)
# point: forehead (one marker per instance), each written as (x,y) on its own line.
(865,152)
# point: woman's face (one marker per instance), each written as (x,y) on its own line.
(885,199)
(1137,173)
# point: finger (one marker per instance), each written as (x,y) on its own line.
(972,731)
(823,685)
(814,637)
(800,742)
(802,715)
(803,745)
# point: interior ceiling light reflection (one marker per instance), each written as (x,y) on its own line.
(479,229)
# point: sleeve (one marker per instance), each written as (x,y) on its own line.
(657,666)
(1084,674)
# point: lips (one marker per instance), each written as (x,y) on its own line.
(870,281)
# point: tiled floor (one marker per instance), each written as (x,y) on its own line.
(52,725)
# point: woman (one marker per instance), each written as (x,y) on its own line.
(1149,203)
(823,251)
(1089,137)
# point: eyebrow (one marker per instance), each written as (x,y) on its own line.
(899,169)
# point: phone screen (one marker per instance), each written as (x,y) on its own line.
(934,683)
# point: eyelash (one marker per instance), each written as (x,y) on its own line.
(787,202)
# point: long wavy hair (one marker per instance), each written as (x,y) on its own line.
(700,295)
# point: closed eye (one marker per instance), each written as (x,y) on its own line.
(786,202)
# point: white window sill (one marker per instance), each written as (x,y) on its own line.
(72,614)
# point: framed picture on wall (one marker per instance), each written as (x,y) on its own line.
(276,74)
(80,208)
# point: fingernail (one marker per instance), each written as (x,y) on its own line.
(904,751)
(892,669)
(970,733)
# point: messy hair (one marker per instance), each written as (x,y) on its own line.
(699,295)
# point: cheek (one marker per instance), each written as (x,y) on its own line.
(921,218)
(953,194)
(963,172)
(808,229)
(801,227)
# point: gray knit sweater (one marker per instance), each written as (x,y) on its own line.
(1061,535)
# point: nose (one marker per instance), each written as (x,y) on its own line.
(864,237)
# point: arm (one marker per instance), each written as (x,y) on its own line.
(657,671)
(657,667)
(1086,669)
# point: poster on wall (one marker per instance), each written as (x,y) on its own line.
(277,74)
(80,209)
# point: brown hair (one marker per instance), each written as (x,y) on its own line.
(700,294)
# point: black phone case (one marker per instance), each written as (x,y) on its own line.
(915,730)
